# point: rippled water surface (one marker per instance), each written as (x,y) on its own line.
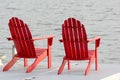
(44,17)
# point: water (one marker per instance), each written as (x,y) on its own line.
(44,17)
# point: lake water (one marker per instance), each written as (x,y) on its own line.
(44,17)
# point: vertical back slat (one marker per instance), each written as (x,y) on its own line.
(75,29)
(85,46)
(66,38)
(71,34)
(65,41)
(81,40)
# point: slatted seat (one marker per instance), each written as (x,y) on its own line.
(24,43)
(75,42)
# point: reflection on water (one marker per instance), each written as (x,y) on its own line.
(45,17)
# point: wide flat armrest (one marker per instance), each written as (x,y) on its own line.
(45,37)
(9,38)
(97,41)
(94,39)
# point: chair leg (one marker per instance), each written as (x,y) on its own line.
(11,63)
(49,57)
(96,61)
(35,63)
(25,62)
(32,66)
(62,66)
(89,65)
(68,64)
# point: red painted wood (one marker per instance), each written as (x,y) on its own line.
(24,43)
(22,38)
(74,38)
(11,63)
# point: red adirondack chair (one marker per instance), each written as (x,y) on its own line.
(75,42)
(24,43)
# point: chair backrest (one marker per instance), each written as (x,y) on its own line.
(74,39)
(22,38)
